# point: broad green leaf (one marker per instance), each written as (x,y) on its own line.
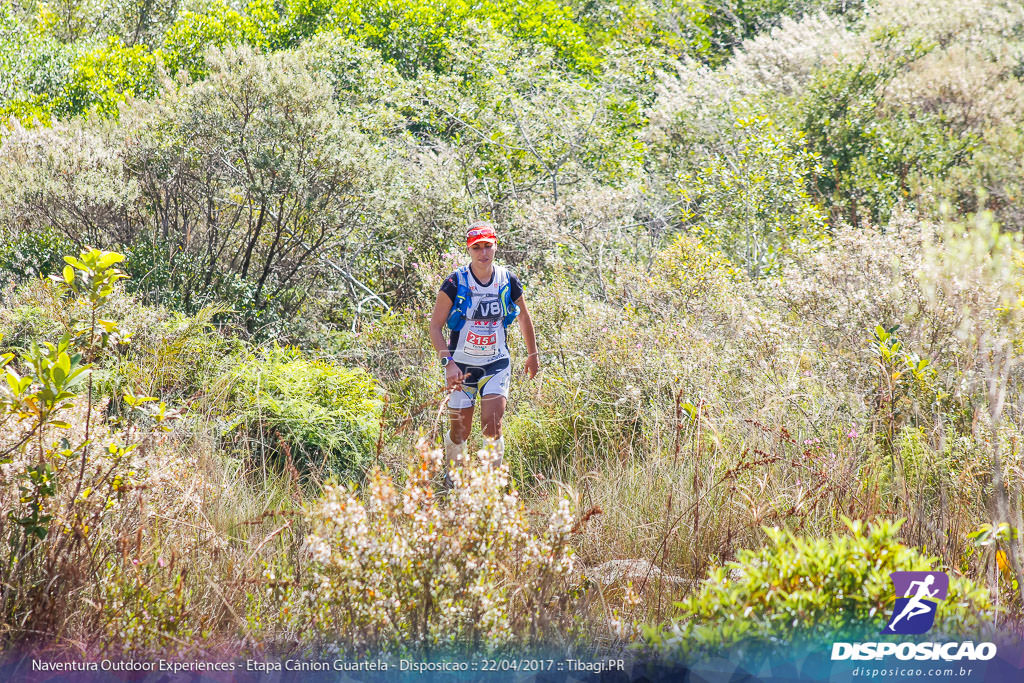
(108,259)
(13,381)
(64,364)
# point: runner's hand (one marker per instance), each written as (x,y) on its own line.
(453,376)
(532,366)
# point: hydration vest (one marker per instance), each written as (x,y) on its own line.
(463,299)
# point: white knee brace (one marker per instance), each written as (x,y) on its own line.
(494,450)
(454,453)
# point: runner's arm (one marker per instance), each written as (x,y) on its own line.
(529,338)
(438,318)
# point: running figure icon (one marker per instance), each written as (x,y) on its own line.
(915,605)
(918,595)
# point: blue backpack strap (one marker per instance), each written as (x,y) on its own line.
(460,307)
(509,310)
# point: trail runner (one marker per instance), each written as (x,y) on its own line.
(478,302)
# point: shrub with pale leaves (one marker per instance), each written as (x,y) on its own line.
(396,569)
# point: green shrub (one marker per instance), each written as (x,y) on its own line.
(103,78)
(26,255)
(171,355)
(27,109)
(177,279)
(149,607)
(689,276)
(537,437)
(65,473)
(803,590)
(326,417)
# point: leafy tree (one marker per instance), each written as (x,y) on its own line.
(522,124)
(751,197)
(254,179)
(143,22)
(871,152)
(72,20)
(415,36)
(364,86)
(710,30)
(216,25)
(34,65)
(71,178)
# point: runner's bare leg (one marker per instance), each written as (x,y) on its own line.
(492,410)
(461,423)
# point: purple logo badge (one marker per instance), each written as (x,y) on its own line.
(917,596)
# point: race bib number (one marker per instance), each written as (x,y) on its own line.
(481,344)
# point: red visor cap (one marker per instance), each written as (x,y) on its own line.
(483,233)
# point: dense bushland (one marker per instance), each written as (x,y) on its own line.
(772,251)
